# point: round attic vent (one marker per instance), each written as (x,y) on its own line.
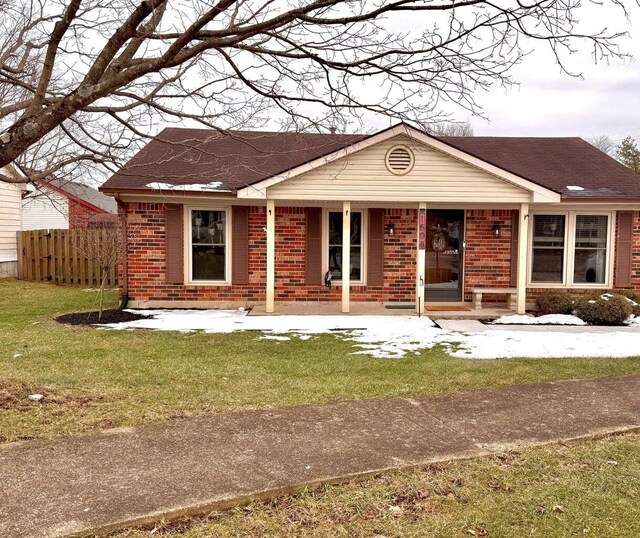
(399,160)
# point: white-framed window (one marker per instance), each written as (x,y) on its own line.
(333,245)
(571,249)
(548,248)
(208,256)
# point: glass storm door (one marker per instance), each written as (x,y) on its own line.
(443,271)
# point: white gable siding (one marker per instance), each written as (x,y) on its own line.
(435,177)
(10,196)
(45,211)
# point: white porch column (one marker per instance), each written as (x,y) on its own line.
(523,247)
(271,255)
(346,255)
(421,257)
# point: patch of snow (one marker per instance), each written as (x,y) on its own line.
(195,187)
(395,336)
(274,337)
(512,344)
(36,397)
(574,188)
(548,319)
(98,289)
(633,321)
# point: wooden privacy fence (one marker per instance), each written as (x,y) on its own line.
(54,255)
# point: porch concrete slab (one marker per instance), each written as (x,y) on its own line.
(325,308)
(107,480)
(463,325)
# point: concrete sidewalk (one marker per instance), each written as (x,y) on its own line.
(111,478)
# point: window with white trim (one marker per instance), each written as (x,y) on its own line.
(590,254)
(334,223)
(547,261)
(570,248)
(208,249)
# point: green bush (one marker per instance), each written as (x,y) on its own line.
(554,302)
(635,297)
(607,309)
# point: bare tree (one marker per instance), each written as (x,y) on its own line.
(83,81)
(451,129)
(604,143)
(103,243)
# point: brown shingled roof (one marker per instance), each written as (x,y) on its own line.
(241,158)
(236,159)
(554,163)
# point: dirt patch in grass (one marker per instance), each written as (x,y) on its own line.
(15,397)
(91,318)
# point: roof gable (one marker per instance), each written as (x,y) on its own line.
(363,176)
(411,136)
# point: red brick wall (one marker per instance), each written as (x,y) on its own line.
(487,259)
(79,215)
(146,260)
(635,249)
(399,259)
(146,243)
(487,256)
(635,262)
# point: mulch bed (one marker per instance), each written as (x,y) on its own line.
(91,318)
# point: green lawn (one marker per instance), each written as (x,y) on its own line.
(589,489)
(97,378)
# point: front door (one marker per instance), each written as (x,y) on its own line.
(443,271)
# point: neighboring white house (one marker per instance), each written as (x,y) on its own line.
(10,222)
(45,209)
(63,204)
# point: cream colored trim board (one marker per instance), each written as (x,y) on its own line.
(346,256)
(271,256)
(421,260)
(523,249)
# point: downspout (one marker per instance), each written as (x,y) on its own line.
(124,298)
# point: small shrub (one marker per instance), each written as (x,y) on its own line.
(632,296)
(554,302)
(607,309)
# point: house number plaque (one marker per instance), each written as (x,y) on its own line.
(422,229)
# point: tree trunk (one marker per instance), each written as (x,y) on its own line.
(105,272)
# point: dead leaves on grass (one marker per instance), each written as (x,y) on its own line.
(15,397)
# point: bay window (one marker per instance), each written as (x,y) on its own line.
(571,249)
(208,246)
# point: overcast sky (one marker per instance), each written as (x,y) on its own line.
(547,103)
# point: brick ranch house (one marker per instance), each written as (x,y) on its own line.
(256,218)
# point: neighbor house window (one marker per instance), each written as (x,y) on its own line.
(335,245)
(208,245)
(547,264)
(590,258)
